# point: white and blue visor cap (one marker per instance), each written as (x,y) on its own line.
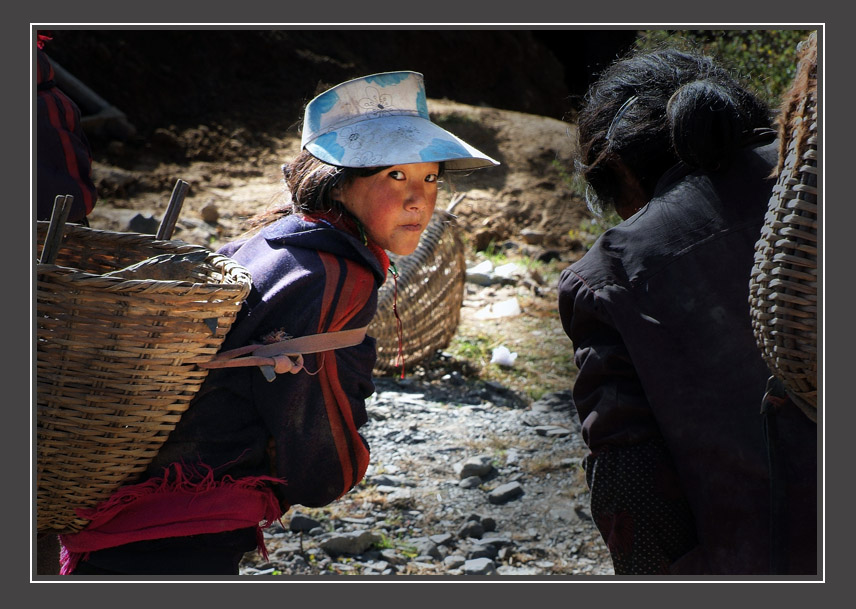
(382,120)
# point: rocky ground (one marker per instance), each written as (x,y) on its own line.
(464,480)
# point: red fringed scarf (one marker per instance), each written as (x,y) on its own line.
(177,505)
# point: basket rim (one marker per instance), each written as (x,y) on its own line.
(71,273)
(228,266)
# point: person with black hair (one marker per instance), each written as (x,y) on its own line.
(670,377)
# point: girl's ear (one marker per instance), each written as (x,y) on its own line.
(337,193)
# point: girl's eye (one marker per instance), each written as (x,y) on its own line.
(396,175)
(431,177)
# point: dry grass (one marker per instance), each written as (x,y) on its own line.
(544,362)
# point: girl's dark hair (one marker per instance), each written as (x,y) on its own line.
(309,182)
(656,108)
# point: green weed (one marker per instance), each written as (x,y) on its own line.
(476,349)
(384,543)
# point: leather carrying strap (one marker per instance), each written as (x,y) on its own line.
(286,355)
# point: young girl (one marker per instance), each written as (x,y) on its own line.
(282,431)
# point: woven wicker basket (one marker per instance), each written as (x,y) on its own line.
(783,285)
(116,360)
(430,294)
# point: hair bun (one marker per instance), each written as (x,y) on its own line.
(706,124)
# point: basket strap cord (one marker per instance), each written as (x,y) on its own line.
(286,355)
(398,324)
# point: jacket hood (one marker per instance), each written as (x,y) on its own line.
(295,231)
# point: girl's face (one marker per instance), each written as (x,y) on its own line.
(393,205)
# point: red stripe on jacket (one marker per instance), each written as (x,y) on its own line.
(62,115)
(347,298)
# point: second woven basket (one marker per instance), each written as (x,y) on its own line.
(428,295)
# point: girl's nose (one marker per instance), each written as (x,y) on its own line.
(417,197)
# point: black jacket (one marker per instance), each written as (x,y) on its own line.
(671,380)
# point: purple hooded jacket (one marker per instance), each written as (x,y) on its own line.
(308,278)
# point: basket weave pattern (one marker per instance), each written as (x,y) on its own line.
(430,296)
(783,285)
(116,361)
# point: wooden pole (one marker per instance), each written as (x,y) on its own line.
(59,215)
(167,225)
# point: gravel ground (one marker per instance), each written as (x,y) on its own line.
(467,477)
